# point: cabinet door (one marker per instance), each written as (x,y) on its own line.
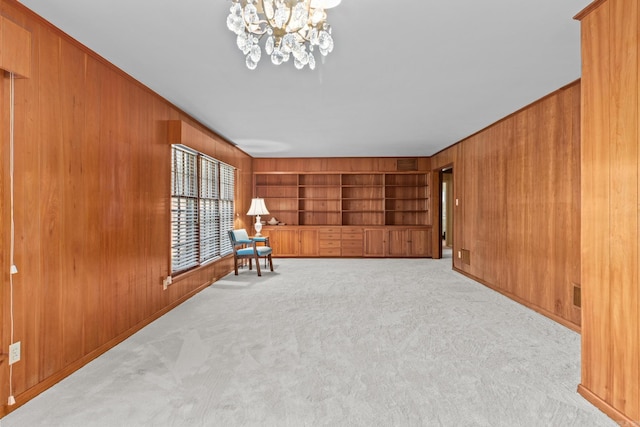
(284,242)
(308,242)
(419,242)
(397,243)
(374,242)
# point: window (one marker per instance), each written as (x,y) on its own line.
(202,209)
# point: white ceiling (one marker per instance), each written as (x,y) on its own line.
(406,78)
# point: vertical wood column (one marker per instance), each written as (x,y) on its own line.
(624,206)
(610,167)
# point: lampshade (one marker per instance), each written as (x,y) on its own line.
(257,207)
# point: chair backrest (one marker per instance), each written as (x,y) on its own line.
(239,236)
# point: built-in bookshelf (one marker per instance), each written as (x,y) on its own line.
(319,199)
(363,199)
(406,199)
(280,192)
(346,198)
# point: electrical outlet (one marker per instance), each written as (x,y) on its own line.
(14,353)
(166,282)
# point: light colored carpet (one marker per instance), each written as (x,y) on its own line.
(332,342)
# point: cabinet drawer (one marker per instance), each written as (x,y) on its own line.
(352,251)
(352,244)
(329,251)
(351,230)
(329,243)
(352,236)
(323,235)
(329,230)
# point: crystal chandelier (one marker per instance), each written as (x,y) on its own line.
(292,28)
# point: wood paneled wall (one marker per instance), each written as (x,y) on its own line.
(610,197)
(517,220)
(92,208)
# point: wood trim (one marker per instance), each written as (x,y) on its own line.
(587,10)
(436,216)
(620,418)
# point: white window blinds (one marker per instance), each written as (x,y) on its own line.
(209,222)
(201,208)
(227,187)
(184,210)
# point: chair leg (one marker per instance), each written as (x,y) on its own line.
(270,262)
(257,265)
(250,266)
(235,263)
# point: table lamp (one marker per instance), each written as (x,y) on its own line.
(258,208)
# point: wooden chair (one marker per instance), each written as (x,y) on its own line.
(245,248)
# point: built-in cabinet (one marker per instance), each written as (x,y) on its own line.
(370,214)
(286,241)
(375,242)
(412,242)
(306,242)
(349,241)
(352,242)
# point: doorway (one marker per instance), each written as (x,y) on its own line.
(446,210)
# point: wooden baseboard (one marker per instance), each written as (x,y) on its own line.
(611,412)
(550,315)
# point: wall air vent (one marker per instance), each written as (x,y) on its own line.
(404,165)
(577,296)
(465,256)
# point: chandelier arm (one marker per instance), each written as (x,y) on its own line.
(263,11)
(302,36)
(290,15)
(309,14)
